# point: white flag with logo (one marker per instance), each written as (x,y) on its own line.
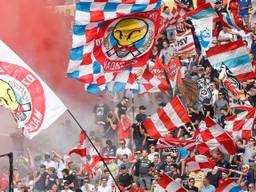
(203,28)
(33,104)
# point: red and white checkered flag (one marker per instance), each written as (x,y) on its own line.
(240,125)
(172,116)
(213,136)
(200,162)
(167,183)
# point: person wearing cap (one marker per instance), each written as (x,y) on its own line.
(138,129)
(125,177)
(121,108)
(87,187)
(40,179)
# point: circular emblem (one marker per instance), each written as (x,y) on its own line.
(126,42)
(22,93)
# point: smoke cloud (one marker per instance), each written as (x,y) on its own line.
(42,38)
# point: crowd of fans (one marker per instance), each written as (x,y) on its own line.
(135,160)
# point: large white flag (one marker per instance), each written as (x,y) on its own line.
(33,104)
(203,28)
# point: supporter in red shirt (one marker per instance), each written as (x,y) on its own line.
(136,187)
(124,129)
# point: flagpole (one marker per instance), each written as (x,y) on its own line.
(10,156)
(169,83)
(98,153)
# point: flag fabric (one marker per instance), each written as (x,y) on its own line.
(213,136)
(234,56)
(150,83)
(33,104)
(185,43)
(166,142)
(204,31)
(200,162)
(231,84)
(190,91)
(229,185)
(80,149)
(205,10)
(204,89)
(109,37)
(172,116)
(233,21)
(167,183)
(240,125)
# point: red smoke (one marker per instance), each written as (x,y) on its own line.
(42,38)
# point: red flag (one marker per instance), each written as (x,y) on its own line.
(200,162)
(167,183)
(80,149)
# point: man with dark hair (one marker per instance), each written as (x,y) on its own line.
(68,179)
(125,177)
(121,108)
(138,129)
(207,187)
(40,179)
(109,150)
(191,185)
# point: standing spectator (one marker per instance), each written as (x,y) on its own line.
(138,129)
(109,150)
(124,129)
(123,150)
(103,187)
(100,110)
(214,176)
(87,187)
(166,53)
(247,176)
(68,180)
(110,127)
(220,103)
(51,178)
(124,177)
(136,187)
(121,108)
(145,167)
(248,153)
(40,179)
(191,185)
(207,187)
(48,162)
(198,176)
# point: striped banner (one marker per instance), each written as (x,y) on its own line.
(185,43)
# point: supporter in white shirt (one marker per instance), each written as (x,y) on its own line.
(103,186)
(87,187)
(215,93)
(123,150)
(49,163)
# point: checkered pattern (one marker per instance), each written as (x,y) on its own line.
(200,162)
(240,125)
(213,136)
(149,83)
(90,16)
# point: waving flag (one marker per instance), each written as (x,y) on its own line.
(229,186)
(203,28)
(172,116)
(168,184)
(200,162)
(166,142)
(233,20)
(33,104)
(212,136)
(240,125)
(80,149)
(185,43)
(234,55)
(109,37)
(205,10)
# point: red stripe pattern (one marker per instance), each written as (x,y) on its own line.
(172,116)
(166,142)
(167,183)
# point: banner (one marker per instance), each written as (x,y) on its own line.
(33,104)
(203,29)
(185,43)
